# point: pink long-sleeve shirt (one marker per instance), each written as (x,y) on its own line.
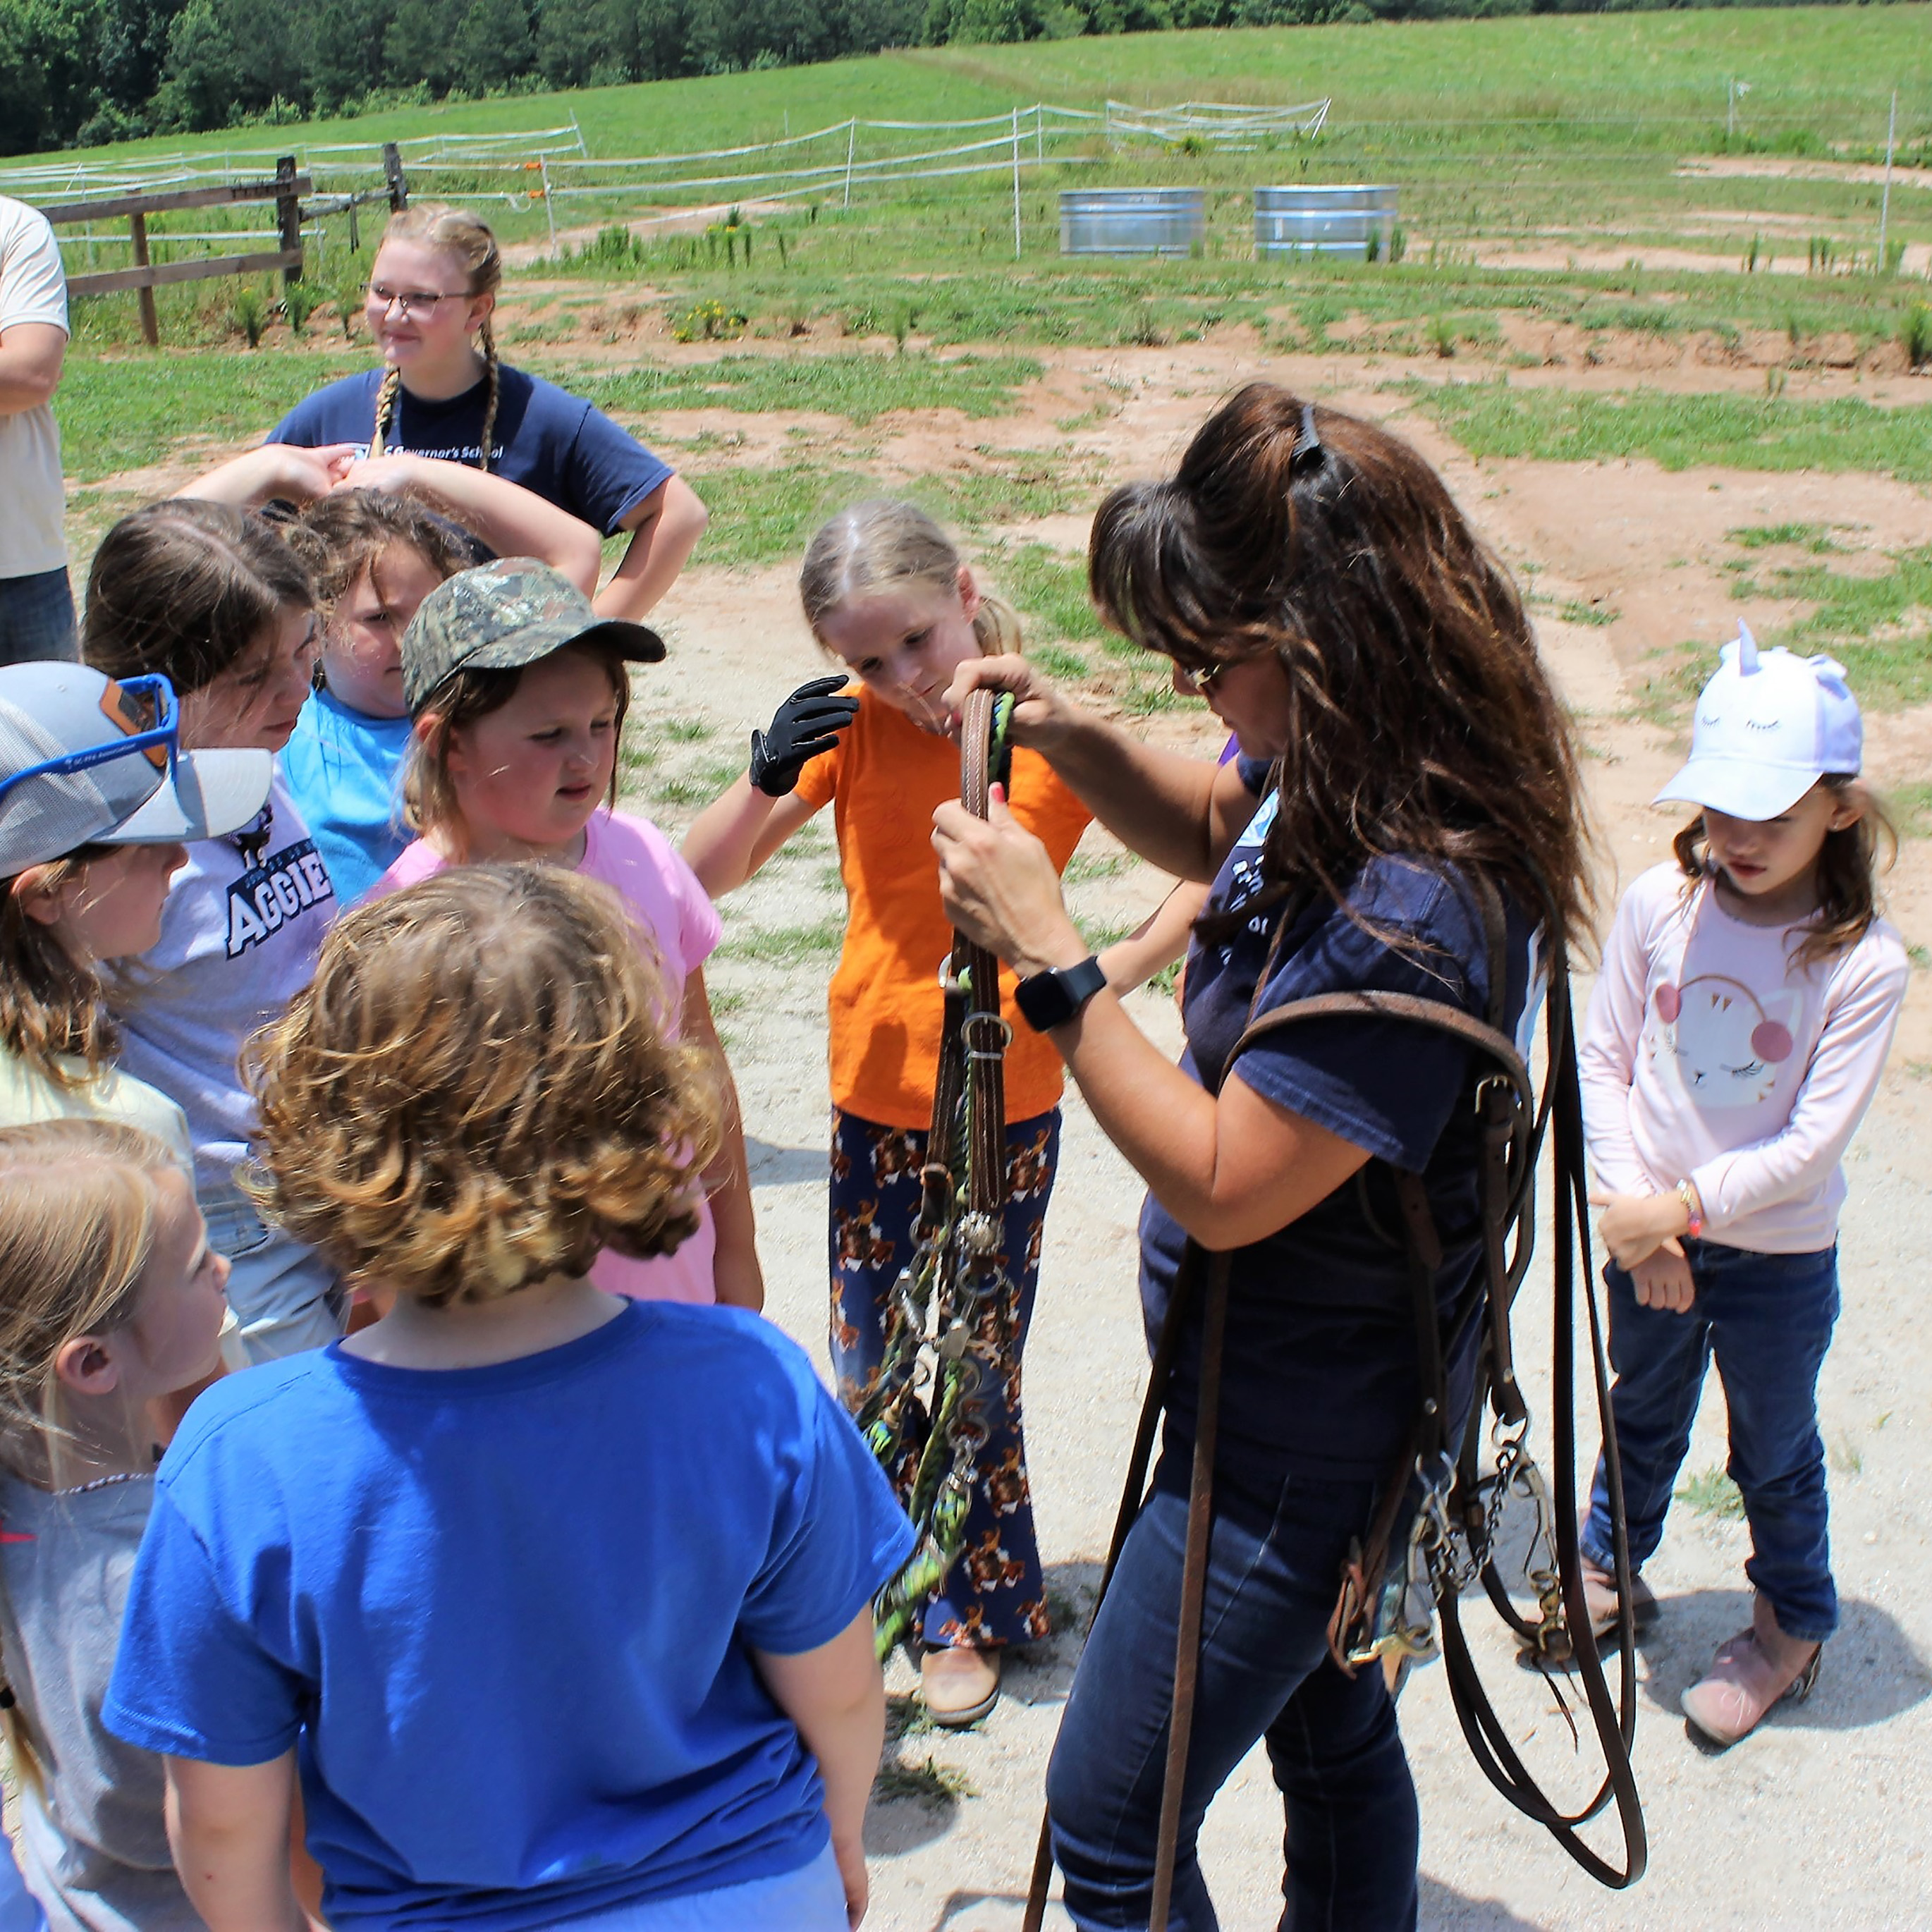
(1708,1056)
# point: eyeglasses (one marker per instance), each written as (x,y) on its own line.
(149,716)
(412,301)
(1200,680)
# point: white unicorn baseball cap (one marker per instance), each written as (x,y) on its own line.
(1769,725)
(86,759)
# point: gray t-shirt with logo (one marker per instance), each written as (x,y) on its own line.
(240,936)
(93,1842)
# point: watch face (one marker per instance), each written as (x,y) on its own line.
(1049,999)
(1043,1002)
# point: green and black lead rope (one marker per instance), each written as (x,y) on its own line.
(949,1311)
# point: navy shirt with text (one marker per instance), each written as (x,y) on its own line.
(557,446)
(1320,1373)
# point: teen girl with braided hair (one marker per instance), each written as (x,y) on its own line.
(1400,745)
(443,392)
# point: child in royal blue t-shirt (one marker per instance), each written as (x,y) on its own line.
(559,1602)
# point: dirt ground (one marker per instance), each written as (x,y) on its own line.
(1815,1822)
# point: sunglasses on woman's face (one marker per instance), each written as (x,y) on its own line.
(149,716)
(1199,679)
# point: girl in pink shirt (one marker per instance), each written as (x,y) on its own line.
(517,690)
(1735,1037)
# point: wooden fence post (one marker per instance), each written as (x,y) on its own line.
(288,215)
(392,171)
(150,326)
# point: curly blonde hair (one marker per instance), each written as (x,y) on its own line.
(478,1093)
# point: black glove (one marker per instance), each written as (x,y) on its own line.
(806,723)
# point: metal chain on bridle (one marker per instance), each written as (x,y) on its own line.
(949,1311)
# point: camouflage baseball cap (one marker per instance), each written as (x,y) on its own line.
(502,616)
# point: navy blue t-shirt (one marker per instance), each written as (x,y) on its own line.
(506,1614)
(556,444)
(1319,1374)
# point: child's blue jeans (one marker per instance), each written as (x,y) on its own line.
(1768,1319)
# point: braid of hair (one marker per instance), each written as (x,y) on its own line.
(490,408)
(386,410)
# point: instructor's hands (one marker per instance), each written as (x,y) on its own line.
(998,885)
(1041,715)
(808,723)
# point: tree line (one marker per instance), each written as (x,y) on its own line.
(74,73)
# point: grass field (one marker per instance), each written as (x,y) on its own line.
(1571,144)
(1556,135)
(1545,127)
(1818,76)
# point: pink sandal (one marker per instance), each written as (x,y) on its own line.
(1758,1669)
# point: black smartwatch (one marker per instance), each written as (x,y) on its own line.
(1050,1000)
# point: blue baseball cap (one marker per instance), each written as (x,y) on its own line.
(86,759)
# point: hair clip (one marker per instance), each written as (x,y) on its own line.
(1308,448)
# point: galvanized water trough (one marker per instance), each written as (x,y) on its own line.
(1324,220)
(1131,220)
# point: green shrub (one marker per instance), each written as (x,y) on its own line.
(613,247)
(248,314)
(300,300)
(1914,335)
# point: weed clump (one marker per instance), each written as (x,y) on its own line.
(708,321)
(248,315)
(300,300)
(1712,1493)
(1914,335)
(613,248)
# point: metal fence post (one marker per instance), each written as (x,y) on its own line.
(288,215)
(1016,183)
(550,212)
(1884,203)
(851,143)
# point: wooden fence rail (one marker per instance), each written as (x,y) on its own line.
(286,190)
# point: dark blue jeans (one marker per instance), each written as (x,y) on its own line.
(36,619)
(1768,1320)
(1351,1840)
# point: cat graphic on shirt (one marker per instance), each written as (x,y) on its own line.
(1727,1045)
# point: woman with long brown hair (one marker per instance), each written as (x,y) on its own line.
(1405,816)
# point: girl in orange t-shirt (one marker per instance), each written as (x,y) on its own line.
(885,591)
